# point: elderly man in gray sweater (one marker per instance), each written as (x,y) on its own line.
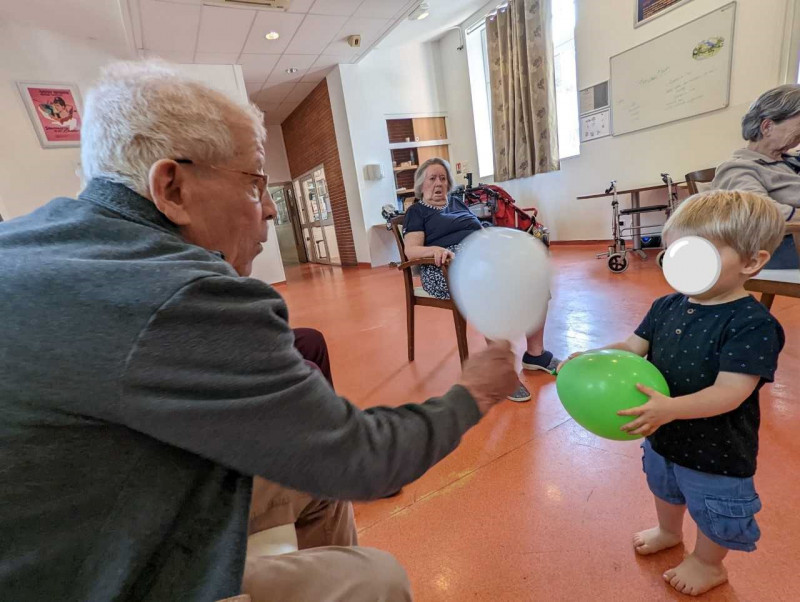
(144,379)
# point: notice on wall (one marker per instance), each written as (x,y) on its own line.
(593,98)
(596,125)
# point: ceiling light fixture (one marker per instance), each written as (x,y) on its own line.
(421,12)
(291,70)
(272,35)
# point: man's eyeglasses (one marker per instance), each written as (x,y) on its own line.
(261,179)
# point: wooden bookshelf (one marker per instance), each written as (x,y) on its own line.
(412,141)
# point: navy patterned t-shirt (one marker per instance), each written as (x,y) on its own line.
(691,344)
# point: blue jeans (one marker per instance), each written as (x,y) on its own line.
(723,507)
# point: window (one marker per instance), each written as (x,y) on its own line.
(563,28)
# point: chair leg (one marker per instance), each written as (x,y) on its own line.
(767,299)
(410,324)
(461,335)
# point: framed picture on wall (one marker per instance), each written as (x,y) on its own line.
(55,111)
(650,9)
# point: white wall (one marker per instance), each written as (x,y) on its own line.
(341,125)
(277,163)
(604,29)
(393,81)
(29,175)
(229,80)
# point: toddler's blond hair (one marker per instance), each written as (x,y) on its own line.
(745,221)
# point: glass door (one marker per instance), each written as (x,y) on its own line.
(316,217)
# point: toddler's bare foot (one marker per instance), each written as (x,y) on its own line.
(695,577)
(654,540)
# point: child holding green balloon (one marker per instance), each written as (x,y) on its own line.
(716,350)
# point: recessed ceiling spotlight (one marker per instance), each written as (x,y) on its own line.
(272,35)
(420,13)
(291,70)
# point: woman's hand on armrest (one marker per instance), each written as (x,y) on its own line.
(415,249)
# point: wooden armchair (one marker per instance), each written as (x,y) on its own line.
(777,282)
(416,295)
(703,176)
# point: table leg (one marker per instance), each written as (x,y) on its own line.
(636,224)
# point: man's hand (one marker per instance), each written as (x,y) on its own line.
(490,375)
(650,416)
(442,256)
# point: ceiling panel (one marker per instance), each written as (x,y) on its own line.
(173,56)
(223,29)
(167,26)
(257,67)
(335,7)
(274,94)
(316,75)
(301,6)
(316,32)
(253,87)
(313,40)
(380,9)
(300,92)
(285,24)
(370,31)
(216,58)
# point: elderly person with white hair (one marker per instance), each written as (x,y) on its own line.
(772,129)
(146,379)
(434,227)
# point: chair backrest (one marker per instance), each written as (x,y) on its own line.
(703,176)
(397,230)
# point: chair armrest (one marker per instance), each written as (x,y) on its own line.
(412,262)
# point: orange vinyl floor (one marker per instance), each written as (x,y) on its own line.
(531,506)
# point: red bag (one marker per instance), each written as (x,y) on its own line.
(494,203)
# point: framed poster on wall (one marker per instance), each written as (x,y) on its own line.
(55,112)
(650,9)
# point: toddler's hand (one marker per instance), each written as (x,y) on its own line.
(571,357)
(650,416)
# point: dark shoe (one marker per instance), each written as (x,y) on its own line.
(545,362)
(520,395)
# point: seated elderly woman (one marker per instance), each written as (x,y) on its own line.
(772,128)
(435,227)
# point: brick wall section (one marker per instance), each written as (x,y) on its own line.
(310,141)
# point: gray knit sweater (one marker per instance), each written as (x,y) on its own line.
(142,384)
(754,172)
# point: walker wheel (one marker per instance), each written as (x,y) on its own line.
(660,259)
(617,263)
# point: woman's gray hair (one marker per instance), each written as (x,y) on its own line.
(141,112)
(419,176)
(777,104)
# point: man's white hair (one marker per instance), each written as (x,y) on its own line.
(140,112)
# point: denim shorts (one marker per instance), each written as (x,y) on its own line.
(723,507)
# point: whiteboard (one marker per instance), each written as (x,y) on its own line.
(682,73)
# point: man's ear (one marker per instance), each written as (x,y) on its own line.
(167,187)
(756,263)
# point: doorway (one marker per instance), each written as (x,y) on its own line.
(286,224)
(317,231)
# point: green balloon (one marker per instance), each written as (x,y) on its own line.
(594,386)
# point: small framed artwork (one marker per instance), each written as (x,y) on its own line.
(55,111)
(650,9)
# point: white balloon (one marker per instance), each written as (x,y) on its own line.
(500,281)
(692,265)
